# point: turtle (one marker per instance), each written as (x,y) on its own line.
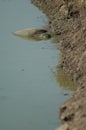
(35,34)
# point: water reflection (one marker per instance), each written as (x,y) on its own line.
(64,80)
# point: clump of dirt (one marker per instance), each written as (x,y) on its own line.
(67,20)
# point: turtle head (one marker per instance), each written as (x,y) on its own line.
(44,36)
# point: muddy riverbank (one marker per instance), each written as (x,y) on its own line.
(67,20)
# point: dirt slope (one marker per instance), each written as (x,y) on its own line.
(67,20)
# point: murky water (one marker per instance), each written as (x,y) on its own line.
(29,95)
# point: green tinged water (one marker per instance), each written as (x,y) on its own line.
(29,94)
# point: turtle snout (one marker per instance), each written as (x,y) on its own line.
(45,36)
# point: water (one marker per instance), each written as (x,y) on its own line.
(29,95)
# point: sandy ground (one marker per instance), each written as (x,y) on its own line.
(67,21)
